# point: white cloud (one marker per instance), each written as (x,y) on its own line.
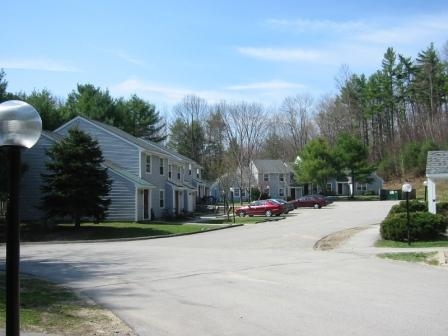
(307,26)
(272,85)
(135,86)
(127,57)
(281,54)
(37,64)
(269,92)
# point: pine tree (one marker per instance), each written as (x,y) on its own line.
(76,185)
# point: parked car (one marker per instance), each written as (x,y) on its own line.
(288,205)
(310,201)
(261,208)
(324,198)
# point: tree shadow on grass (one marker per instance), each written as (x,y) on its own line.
(32,233)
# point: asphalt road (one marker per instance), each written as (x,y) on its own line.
(263,279)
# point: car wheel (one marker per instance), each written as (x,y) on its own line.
(316,206)
(268,213)
(242,214)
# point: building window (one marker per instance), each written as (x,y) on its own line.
(329,187)
(162,198)
(282,178)
(236,193)
(361,186)
(189,169)
(266,177)
(178,173)
(281,192)
(148,164)
(198,173)
(170,171)
(162,163)
(243,192)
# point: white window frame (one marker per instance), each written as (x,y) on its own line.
(281,192)
(281,177)
(162,166)
(170,171)
(162,199)
(266,177)
(148,164)
(361,186)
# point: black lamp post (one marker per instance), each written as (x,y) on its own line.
(20,127)
(233,204)
(407,188)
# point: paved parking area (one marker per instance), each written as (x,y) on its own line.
(263,279)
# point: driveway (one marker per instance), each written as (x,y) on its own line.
(263,279)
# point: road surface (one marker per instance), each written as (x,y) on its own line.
(263,279)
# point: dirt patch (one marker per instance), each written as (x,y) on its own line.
(336,239)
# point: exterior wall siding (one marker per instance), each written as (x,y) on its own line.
(114,149)
(34,160)
(122,195)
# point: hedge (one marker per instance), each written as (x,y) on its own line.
(423,226)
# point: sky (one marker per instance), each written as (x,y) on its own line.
(254,51)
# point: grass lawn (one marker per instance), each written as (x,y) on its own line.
(442,242)
(108,230)
(53,309)
(425,257)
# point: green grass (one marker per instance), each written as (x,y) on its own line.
(442,242)
(109,230)
(425,257)
(47,307)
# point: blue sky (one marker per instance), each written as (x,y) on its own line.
(228,50)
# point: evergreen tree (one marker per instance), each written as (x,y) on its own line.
(317,164)
(76,185)
(141,119)
(352,155)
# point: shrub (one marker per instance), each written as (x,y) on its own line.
(442,208)
(423,226)
(414,206)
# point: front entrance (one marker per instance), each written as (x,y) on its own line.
(146,204)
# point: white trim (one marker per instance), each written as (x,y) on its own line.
(136,204)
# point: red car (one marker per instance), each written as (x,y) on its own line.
(261,208)
(310,201)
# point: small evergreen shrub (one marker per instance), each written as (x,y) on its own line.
(442,208)
(414,206)
(423,226)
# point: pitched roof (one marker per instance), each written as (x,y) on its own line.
(437,163)
(145,144)
(271,166)
(127,175)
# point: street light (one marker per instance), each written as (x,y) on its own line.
(233,203)
(20,127)
(407,188)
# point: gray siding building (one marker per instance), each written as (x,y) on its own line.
(148,180)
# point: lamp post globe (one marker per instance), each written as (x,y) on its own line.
(407,188)
(20,127)
(20,124)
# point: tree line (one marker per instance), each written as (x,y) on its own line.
(398,113)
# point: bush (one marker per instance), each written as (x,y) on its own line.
(414,206)
(442,208)
(423,226)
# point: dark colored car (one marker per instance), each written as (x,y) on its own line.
(288,205)
(261,208)
(310,201)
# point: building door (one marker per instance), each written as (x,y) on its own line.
(146,204)
(176,202)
